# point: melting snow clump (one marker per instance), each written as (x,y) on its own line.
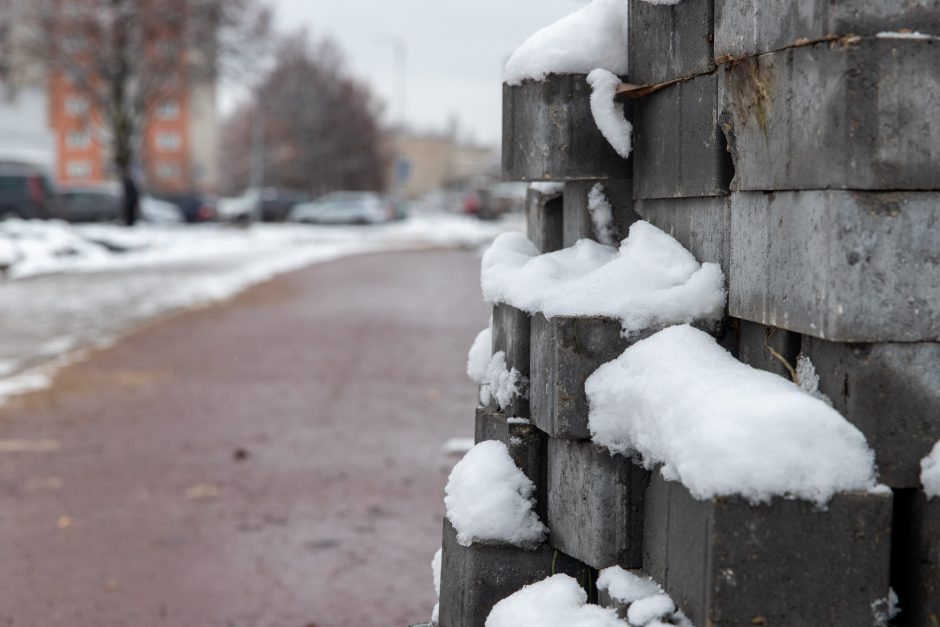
(808,380)
(558,601)
(436,573)
(650,281)
(490,373)
(608,112)
(593,37)
(488,499)
(478,359)
(721,427)
(648,604)
(930,472)
(602,215)
(548,188)
(885,609)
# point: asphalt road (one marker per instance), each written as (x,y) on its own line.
(272,461)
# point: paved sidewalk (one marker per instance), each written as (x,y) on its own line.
(273,461)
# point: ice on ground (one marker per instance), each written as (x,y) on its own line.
(904,35)
(602,215)
(930,472)
(721,427)
(458,446)
(608,113)
(592,37)
(436,573)
(650,281)
(488,499)
(558,601)
(479,356)
(547,188)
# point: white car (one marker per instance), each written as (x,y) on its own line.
(344,208)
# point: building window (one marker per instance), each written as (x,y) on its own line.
(78,169)
(76,106)
(168,110)
(168,171)
(78,140)
(168,141)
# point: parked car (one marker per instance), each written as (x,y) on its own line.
(345,208)
(25,192)
(102,202)
(270,204)
(196,207)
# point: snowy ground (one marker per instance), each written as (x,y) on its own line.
(67,289)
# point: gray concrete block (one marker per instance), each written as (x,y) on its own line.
(838,265)
(727,562)
(544,225)
(595,504)
(511,335)
(702,225)
(915,567)
(565,352)
(856,114)
(577,220)
(744,28)
(475,578)
(678,144)
(768,348)
(670,41)
(549,133)
(526,444)
(891,392)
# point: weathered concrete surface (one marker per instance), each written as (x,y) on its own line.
(862,113)
(578,223)
(842,266)
(727,562)
(565,352)
(475,578)
(891,392)
(549,133)
(768,348)
(511,335)
(679,148)
(595,504)
(544,222)
(915,558)
(744,28)
(702,225)
(248,464)
(670,41)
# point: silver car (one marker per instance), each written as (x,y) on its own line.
(343,208)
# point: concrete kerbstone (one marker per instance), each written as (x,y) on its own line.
(577,217)
(670,41)
(701,225)
(916,558)
(511,335)
(544,219)
(768,348)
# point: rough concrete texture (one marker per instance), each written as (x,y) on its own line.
(511,335)
(728,562)
(891,392)
(578,223)
(543,216)
(838,265)
(744,28)
(565,352)
(862,113)
(768,348)
(679,148)
(549,133)
(595,504)
(475,578)
(702,225)
(670,41)
(915,556)
(526,444)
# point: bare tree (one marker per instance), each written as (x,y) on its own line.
(126,57)
(320,127)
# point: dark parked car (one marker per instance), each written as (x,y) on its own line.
(276,203)
(196,207)
(25,192)
(89,204)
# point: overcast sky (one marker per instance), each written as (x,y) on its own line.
(455,50)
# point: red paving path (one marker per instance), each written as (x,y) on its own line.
(273,461)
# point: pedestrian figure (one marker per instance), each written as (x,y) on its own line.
(131,201)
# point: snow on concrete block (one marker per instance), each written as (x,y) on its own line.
(511,337)
(670,41)
(558,601)
(598,210)
(744,28)
(726,561)
(891,392)
(595,504)
(820,116)
(701,225)
(543,212)
(549,133)
(474,578)
(916,554)
(565,351)
(679,147)
(837,265)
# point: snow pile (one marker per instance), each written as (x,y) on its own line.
(436,573)
(478,358)
(608,112)
(549,188)
(593,37)
(904,35)
(930,472)
(488,499)
(489,371)
(602,215)
(648,604)
(650,281)
(554,602)
(721,427)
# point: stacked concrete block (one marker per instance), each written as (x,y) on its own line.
(578,223)
(511,331)
(669,41)
(543,215)
(701,225)
(916,558)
